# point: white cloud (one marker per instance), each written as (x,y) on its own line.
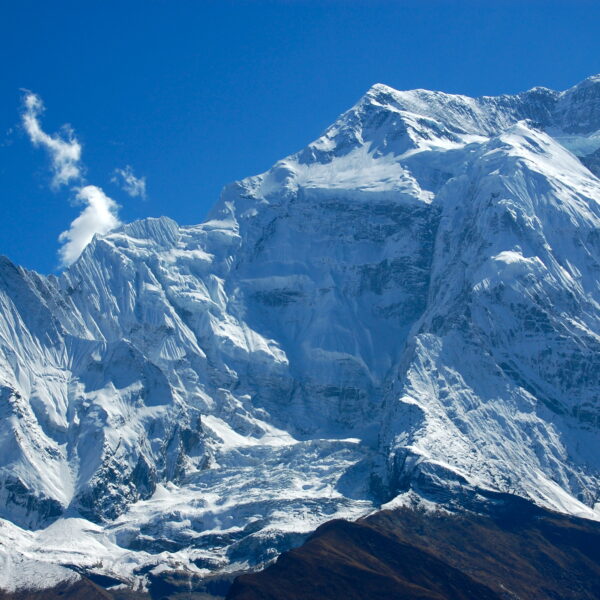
(134,186)
(65,152)
(100,213)
(98,216)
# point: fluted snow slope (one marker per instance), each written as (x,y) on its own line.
(406,309)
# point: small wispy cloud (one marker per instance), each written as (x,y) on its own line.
(7,138)
(100,213)
(64,151)
(132,185)
(98,216)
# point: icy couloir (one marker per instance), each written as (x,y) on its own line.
(406,310)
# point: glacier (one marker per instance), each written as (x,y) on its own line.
(405,311)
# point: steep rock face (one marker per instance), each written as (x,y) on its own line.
(405,309)
(504,361)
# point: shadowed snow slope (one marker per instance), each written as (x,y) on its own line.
(405,309)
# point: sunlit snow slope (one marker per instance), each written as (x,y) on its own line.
(406,310)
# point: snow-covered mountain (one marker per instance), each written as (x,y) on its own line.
(407,310)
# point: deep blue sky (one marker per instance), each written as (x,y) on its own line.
(196,94)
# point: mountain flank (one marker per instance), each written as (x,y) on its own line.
(517,551)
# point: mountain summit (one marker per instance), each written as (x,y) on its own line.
(404,312)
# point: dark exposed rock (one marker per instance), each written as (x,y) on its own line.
(515,551)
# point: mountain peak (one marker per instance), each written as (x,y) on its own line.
(406,311)
(380,88)
(592,80)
